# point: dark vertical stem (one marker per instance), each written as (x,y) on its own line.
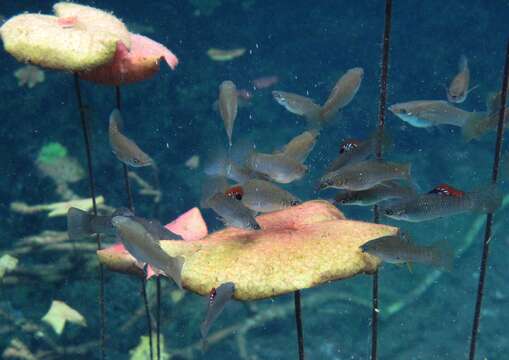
(91,182)
(147,310)
(489,217)
(130,204)
(298,321)
(158,318)
(382,108)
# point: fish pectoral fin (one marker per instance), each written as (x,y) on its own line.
(409,266)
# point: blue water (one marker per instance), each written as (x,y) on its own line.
(308,45)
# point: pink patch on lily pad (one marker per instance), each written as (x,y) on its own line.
(132,65)
(190,225)
(119,248)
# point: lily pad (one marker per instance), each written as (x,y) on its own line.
(60,313)
(299,247)
(78,38)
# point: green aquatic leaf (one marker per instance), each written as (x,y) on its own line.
(7,263)
(60,313)
(142,350)
(51,152)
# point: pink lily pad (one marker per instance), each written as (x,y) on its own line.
(138,63)
(190,225)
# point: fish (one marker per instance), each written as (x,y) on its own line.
(364,175)
(146,249)
(81,224)
(265,81)
(353,150)
(437,204)
(343,92)
(228,106)
(225,54)
(298,104)
(124,148)
(220,165)
(278,167)
(264,196)
(218,298)
(387,190)
(231,211)
(427,113)
(301,146)
(398,249)
(458,89)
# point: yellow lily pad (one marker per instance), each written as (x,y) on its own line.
(299,247)
(60,313)
(78,38)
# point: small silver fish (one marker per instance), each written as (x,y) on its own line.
(124,148)
(435,205)
(146,249)
(297,104)
(82,224)
(232,212)
(277,167)
(396,249)
(300,146)
(426,113)
(386,190)
(228,106)
(263,196)
(343,92)
(364,175)
(458,89)
(218,299)
(352,151)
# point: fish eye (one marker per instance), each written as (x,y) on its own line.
(295,202)
(238,196)
(136,161)
(389,212)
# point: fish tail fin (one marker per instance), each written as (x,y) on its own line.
(463,63)
(487,200)
(116,122)
(78,223)
(475,126)
(442,255)
(174,270)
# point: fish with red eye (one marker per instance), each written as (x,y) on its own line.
(349,145)
(235,191)
(446,190)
